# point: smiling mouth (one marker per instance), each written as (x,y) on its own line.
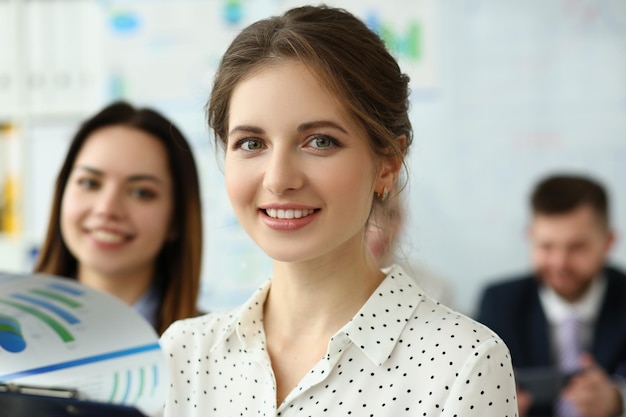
(108,237)
(288,213)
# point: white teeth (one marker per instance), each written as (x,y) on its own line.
(289,213)
(107,237)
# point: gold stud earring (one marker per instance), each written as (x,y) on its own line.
(382,196)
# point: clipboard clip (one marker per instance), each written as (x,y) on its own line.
(58,392)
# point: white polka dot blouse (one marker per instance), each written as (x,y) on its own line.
(402,354)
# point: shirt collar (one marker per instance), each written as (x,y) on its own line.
(586,308)
(387,311)
(248,320)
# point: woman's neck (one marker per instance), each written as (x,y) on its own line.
(319,296)
(307,304)
(128,287)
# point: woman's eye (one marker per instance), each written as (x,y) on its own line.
(322,142)
(88,183)
(250,144)
(143,193)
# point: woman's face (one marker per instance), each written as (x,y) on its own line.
(117,205)
(299,171)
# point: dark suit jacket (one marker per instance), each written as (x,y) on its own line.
(513,310)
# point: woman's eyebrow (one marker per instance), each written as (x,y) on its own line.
(145,177)
(89,169)
(301,128)
(320,123)
(247,128)
(132,178)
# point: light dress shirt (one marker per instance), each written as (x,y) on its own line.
(148,305)
(587,309)
(402,354)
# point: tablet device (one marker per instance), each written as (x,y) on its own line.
(15,404)
(544,383)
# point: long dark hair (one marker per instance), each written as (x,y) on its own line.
(179,261)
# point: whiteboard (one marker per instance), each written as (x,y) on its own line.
(504,92)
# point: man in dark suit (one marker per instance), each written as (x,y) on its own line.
(570,238)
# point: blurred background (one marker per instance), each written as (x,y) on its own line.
(503,93)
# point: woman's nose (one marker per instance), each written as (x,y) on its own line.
(283,171)
(110,203)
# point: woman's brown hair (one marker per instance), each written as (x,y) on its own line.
(342,51)
(178,263)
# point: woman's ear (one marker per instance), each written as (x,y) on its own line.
(391,165)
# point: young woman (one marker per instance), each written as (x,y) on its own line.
(126,214)
(312,113)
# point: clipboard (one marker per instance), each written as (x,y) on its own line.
(17,404)
(543,383)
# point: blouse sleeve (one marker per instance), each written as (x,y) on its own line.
(485,385)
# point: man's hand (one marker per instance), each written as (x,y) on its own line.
(524,401)
(592,392)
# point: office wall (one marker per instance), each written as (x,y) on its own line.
(503,92)
(527,88)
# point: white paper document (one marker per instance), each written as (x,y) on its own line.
(55,332)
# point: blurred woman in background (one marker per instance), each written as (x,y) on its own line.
(126,214)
